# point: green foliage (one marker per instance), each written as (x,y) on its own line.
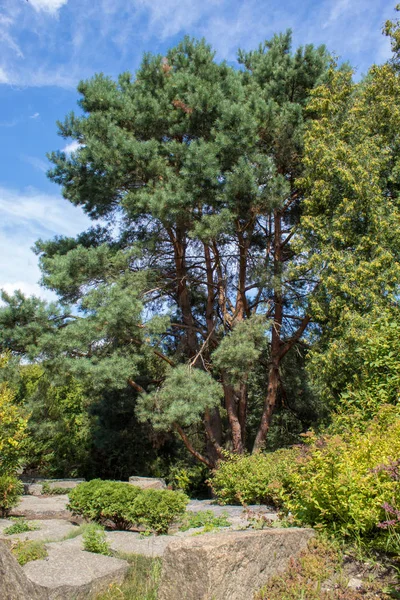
(20,526)
(11,490)
(157,509)
(125,505)
(338,483)
(253,479)
(94,540)
(104,501)
(204,518)
(189,478)
(27,550)
(141,581)
(183,398)
(12,427)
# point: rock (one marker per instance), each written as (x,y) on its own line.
(146,483)
(69,573)
(231,565)
(14,584)
(355,583)
(36,507)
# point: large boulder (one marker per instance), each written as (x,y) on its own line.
(14,584)
(146,483)
(231,565)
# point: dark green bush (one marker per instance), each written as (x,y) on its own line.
(125,505)
(103,501)
(157,509)
(11,489)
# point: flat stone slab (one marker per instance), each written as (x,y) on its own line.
(48,530)
(69,573)
(42,507)
(133,543)
(232,565)
(239,516)
(34,486)
(146,483)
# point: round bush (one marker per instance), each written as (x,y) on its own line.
(157,509)
(103,501)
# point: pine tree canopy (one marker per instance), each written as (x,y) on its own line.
(230,212)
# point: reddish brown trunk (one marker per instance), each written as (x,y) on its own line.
(273,374)
(236,430)
(192,450)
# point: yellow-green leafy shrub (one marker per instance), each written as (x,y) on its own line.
(339,482)
(252,479)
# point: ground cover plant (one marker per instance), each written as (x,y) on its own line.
(20,525)
(27,550)
(321,573)
(203,518)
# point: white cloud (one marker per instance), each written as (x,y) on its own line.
(50,6)
(35,115)
(26,216)
(38,163)
(3,76)
(71,147)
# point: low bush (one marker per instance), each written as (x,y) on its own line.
(94,540)
(54,491)
(11,489)
(103,501)
(157,509)
(343,482)
(125,505)
(253,479)
(25,551)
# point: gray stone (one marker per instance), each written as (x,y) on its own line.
(231,565)
(146,483)
(14,585)
(69,573)
(133,543)
(36,507)
(355,583)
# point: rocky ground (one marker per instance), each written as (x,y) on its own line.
(69,571)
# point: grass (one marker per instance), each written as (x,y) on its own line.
(141,582)
(20,525)
(80,530)
(25,551)
(54,491)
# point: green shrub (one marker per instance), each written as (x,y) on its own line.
(11,489)
(125,505)
(103,501)
(94,540)
(157,509)
(25,551)
(20,526)
(339,481)
(253,479)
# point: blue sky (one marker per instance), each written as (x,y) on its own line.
(47,46)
